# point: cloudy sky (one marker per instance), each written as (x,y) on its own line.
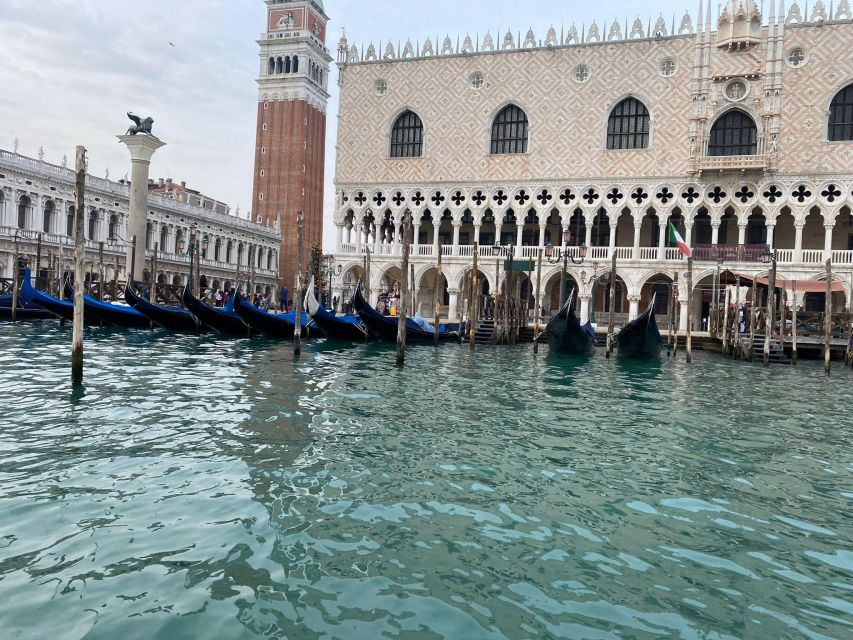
(72,68)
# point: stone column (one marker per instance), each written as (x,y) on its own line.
(498,228)
(340,236)
(741,234)
(588,238)
(585,299)
(416,232)
(715,232)
(142,148)
(542,235)
(452,311)
(436,244)
(771,228)
(827,241)
(633,307)
(798,241)
(682,315)
(612,244)
(456,227)
(477,233)
(518,234)
(688,234)
(638,226)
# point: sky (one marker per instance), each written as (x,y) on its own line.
(71,69)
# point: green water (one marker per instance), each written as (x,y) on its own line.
(208,488)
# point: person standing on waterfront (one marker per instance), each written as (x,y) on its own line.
(217,298)
(282,299)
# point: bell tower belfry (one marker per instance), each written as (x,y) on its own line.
(291,126)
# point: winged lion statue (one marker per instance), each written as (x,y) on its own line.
(141,125)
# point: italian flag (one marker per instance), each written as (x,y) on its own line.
(676,238)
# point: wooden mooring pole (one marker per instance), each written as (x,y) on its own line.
(673,331)
(827,344)
(436,296)
(794,322)
(38,262)
(771,313)
(475,299)
(298,298)
(734,343)
(152,290)
(689,347)
(401,320)
(848,355)
(611,319)
(101,273)
(536,301)
(753,318)
(79,259)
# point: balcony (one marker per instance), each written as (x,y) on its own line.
(731,163)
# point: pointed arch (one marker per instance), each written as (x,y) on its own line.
(510,131)
(407,136)
(840,128)
(733,134)
(628,125)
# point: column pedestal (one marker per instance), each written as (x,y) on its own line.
(585,300)
(142,148)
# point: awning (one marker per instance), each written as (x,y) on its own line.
(803,286)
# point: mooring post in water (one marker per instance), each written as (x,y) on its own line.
(827,344)
(673,303)
(536,301)
(496,301)
(413,302)
(794,322)
(611,319)
(689,347)
(771,312)
(300,259)
(401,320)
(753,319)
(508,290)
(38,261)
(848,356)
(131,274)
(152,290)
(101,273)
(475,299)
(79,259)
(436,297)
(734,331)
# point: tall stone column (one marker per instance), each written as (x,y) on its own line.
(452,310)
(585,298)
(827,242)
(741,234)
(638,226)
(142,148)
(771,228)
(798,241)
(715,233)
(633,307)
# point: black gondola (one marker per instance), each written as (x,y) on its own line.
(25,310)
(567,335)
(223,320)
(349,328)
(640,338)
(385,328)
(273,325)
(172,318)
(63,309)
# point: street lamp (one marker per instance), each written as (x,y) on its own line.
(768,257)
(555,254)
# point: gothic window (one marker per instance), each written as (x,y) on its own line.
(509,131)
(164,236)
(407,136)
(628,125)
(48,216)
(93,224)
(295,67)
(735,134)
(841,116)
(269,260)
(271,68)
(113,228)
(23,209)
(217,249)
(229,249)
(279,65)
(287,64)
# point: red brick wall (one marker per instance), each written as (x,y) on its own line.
(293,176)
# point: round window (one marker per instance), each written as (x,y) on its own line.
(581,73)
(667,67)
(380,87)
(476,80)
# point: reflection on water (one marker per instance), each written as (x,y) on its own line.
(216,488)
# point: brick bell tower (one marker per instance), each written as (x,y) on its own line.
(291,134)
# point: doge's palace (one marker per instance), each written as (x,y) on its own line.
(736,127)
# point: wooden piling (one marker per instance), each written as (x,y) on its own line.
(475,299)
(15,281)
(436,297)
(734,343)
(753,319)
(413,303)
(689,347)
(401,320)
(79,259)
(611,319)
(725,336)
(198,267)
(152,290)
(298,297)
(536,302)
(848,356)
(508,298)
(496,299)
(794,322)
(771,313)
(673,333)
(101,272)
(38,261)
(827,345)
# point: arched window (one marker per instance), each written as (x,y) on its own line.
(271,68)
(269,260)
(260,258)
(23,210)
(841,116)
(113,228)
(217,249)
(628,125)
(509,131)
(295,64)
(205,243)
(735,134)
(69,222)
(287,64)
(407,136)
(149,235)
(239,254)
(228,250)
(164,236)
(93,224)
(661,292)
(278,65)
(49,208)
